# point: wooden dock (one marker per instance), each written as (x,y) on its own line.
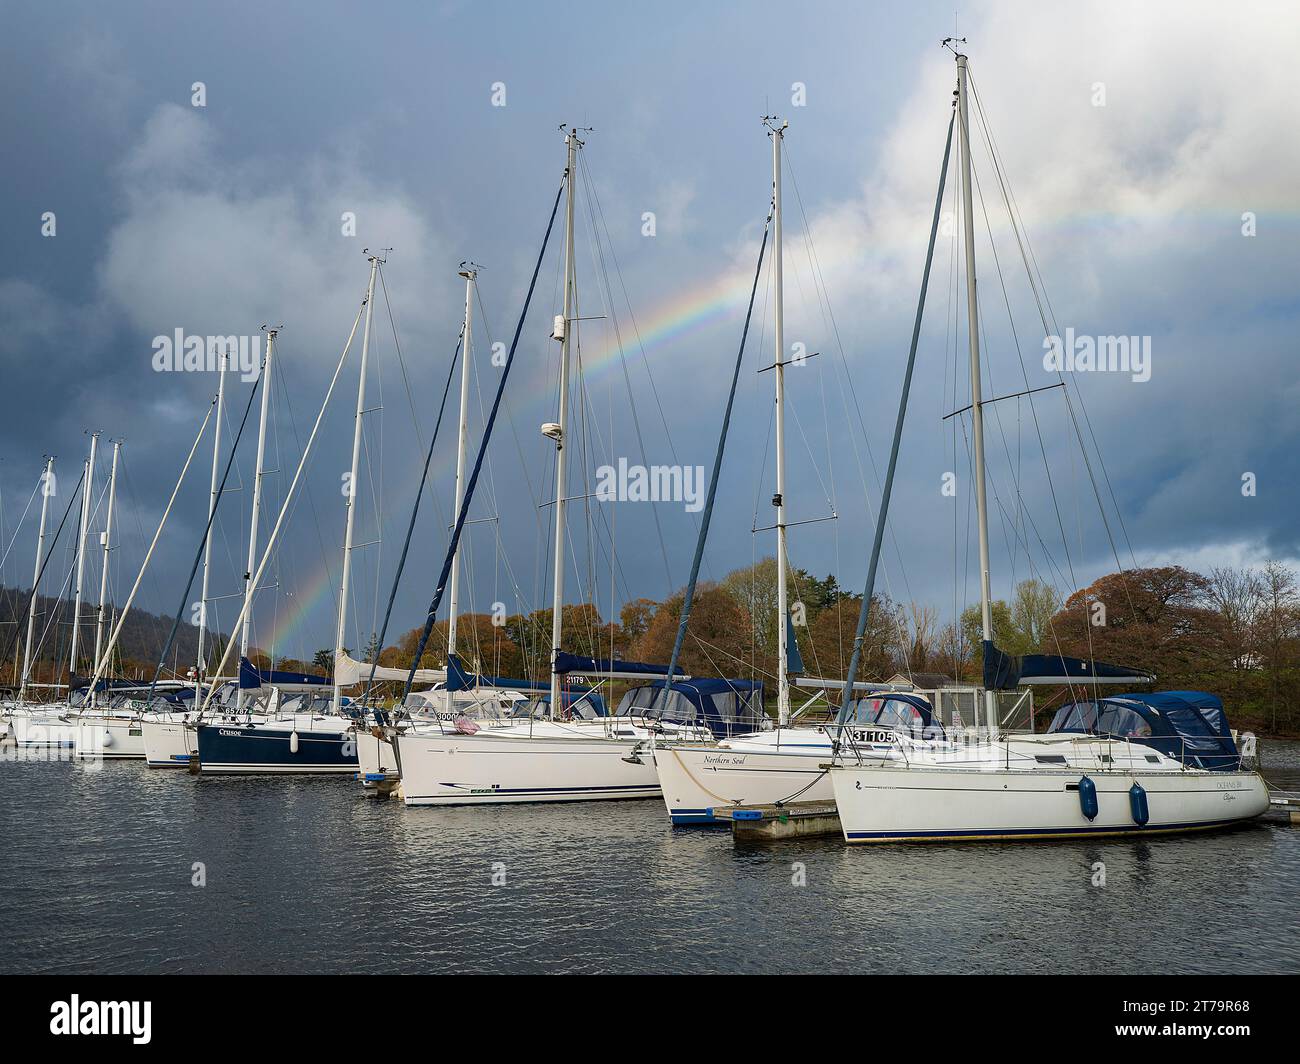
(1284,806)
(768,823)
(762,823)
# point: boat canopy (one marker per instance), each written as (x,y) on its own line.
(1005,672)
(904,712)
(725,707)
(1187,725)
(580,704)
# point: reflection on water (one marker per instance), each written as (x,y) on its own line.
(96,870)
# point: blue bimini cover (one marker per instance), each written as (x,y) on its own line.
(1188,725)
(893,709)
(725,707)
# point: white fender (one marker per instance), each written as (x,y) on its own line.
(293,741)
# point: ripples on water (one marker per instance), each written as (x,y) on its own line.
(307,875)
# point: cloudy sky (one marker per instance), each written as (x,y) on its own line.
(1152,151)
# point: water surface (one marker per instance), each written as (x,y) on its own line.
(307,875)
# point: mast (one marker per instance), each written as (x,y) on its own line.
(108,546)
(212,505)
(258,474)
(47,489)
(557,602)
(977,410)
(470,273)
(778,500)
(351,494)
(148,554)
(82,530)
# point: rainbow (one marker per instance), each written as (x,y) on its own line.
(677,318)
(704,305)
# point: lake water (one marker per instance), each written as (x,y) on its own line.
(308,875)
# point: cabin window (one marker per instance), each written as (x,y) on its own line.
(1120,720)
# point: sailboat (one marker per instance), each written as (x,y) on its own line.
(295,723)
(540,758)
(109,718)
(700,781)
(108,724)
(1119,765)
(170,728)
(439,708)
(166,730)
(36,725)
(54,725)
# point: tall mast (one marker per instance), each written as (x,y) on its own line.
(977,409)
(212,505)
(557,602)
(351,494)
(258,474)
(470,273)
(108,546)
(82,532)
(47,489)
(777,133)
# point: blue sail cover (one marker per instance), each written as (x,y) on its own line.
(793,659)
(460,679)
(1003,671)
(252,678)
(1188,725)
(106,683)
(567,663)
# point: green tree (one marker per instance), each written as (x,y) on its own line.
(323,661)
(1032,608)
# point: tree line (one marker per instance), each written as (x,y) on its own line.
(1234,632)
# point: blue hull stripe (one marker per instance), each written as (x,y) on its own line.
(462,790)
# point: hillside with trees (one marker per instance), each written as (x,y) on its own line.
(1234,632)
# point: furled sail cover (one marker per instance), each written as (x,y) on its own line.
(1004,672)
(460,679)
(793,659)
(107,683)
(566,663)
(347,671)
(251,678)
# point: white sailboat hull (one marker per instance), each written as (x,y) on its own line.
(169,743)
(491,769)
(891,802)
(376,760)
(108,738)
(699,780)
(37,729)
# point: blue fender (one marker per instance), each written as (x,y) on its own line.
(1137,801)
(1088,798)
